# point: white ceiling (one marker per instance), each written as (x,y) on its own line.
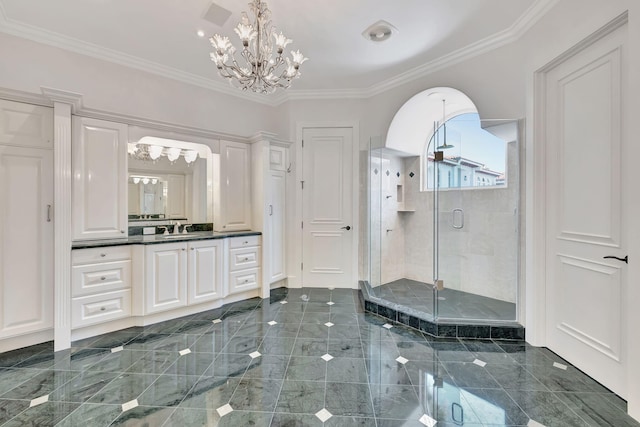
(160,35)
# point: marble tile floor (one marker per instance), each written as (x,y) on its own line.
(286,361)
(452,304)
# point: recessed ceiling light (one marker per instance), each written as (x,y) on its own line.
(380,31)
(200,33)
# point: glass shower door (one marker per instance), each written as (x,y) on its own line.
(476,219)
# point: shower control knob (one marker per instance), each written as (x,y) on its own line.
(348,227)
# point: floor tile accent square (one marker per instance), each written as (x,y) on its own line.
(388,326)
(117,349)
(402,360)
(216,321)
(327,357)
(283,302)
(184,352)
(328,324)
(559,366)
(480,363)
(224,410)
(273,322)
(330,303)
(323,415)
(427,421)
(255,354)
(533,423)
(39,401)
(129,405)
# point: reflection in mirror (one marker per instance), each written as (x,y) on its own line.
(172,184)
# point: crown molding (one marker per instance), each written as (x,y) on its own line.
(538,9)
(25,97)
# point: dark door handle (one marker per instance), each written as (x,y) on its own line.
(348,227)
(625,259)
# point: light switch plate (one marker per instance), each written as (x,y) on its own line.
(149,230)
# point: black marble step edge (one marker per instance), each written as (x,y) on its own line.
(402,314)
(158,239)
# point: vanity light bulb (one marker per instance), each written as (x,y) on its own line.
(154,181)
(136,180)
(155,151)
(145,181)
(173,153)
(190,156)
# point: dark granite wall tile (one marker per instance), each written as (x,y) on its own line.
(473,331)
(387,312)
(507,333)
(429,327)
(447,330)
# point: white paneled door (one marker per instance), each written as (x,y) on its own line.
(327,205)
(586,196)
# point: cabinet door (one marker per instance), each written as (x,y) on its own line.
(235,187)
(165,276)
(275,238)
(26,240)
(99,157)
(205,270)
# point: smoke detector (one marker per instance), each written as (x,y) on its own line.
(379,32)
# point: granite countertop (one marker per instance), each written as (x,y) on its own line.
(152,239)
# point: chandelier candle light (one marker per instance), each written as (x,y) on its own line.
(263,72)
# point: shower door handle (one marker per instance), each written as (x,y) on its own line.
(459,215)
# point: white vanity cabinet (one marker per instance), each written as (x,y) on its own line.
(205,260)
(232,187)
(165,277)
(275,226)
(181,274)
(100,285)
(244,264)
(99,193)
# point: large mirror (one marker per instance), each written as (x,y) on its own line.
(169,180)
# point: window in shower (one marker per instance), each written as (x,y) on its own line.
(476,158)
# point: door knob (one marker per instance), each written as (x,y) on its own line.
(348,227)
(625,259)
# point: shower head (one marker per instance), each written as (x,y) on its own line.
(444,146)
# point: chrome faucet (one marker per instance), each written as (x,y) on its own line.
(176,228)
(184,228)
(166,229)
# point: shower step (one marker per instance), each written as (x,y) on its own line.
(409,317)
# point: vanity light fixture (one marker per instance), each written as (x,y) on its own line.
(154,181)
(155,151)
(145,181)
(190,156)
(136,180)
(173,153)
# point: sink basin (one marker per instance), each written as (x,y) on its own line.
(181,236)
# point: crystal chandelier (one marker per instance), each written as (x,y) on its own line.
(263,72)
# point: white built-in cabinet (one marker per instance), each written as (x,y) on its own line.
(232,187)
(205,270)
(244,264)
(181,274)
(100,285)
(165,277)
(99,193)
(275,225)
(26,219)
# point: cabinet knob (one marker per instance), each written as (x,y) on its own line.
(193,249)
(246,280)
(103,255)
(103,278)
(245,243)
(122,231)
(183,249)
(246,259)
(103,308)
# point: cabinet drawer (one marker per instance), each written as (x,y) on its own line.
(95,255)
(243,242)
(91,279)
(244,280)
(100,308)
(243,258)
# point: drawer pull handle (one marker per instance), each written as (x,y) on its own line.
(103,278)
(103,308)
(245,243)
(246,259)
(103,255)
(246,280)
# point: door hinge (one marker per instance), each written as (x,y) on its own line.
(301,266)
(303,143)
(302,224)
(302,183)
